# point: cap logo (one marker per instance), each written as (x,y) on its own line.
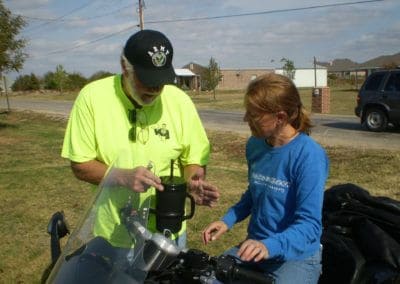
(159,56)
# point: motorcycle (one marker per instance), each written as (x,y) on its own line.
(112,244)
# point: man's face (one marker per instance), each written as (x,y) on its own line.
(140,93)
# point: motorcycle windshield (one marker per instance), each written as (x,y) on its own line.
(107,245)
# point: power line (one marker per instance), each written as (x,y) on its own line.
(262,13)
(86,43)
(61,17)
(76,19)
(213,18)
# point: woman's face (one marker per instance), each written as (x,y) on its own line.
(262,125)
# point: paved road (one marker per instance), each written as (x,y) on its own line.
(329,129)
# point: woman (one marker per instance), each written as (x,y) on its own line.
(287,171)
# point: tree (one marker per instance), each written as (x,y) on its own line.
(60,78)
(56,80)
(49,81)
(99,75)
(26,83)
(75,81)
(288,68)
(11,55)
(211,76)
(11,48)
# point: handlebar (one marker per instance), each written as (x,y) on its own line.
(228,270)
(167,263)
(195,266)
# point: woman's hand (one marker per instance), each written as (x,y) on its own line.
(213,231)
(252,250)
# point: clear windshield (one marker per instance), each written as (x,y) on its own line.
(107,246)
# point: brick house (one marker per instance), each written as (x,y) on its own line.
(238,79)
(232,79)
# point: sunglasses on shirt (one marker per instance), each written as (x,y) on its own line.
(137,118)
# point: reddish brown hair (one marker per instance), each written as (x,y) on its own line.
(272,93)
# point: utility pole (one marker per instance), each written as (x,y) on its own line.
(315,72)
(141,22)
(3,78)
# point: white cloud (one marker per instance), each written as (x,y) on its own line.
(359,32)
(27,4)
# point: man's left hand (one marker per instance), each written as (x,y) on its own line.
(203,192)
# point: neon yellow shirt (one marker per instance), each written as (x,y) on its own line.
(98,128)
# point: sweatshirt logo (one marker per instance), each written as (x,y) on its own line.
(271,182)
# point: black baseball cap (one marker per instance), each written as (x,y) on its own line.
(150,52)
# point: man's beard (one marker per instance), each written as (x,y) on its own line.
(130,88)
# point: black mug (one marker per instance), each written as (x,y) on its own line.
(170,204)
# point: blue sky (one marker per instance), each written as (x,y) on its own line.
(88,35)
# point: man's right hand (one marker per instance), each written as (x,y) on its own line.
(138,179)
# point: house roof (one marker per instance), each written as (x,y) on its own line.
(183,72)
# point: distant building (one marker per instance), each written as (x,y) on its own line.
(187,80)
(309,77)
(238,79)
(198,70)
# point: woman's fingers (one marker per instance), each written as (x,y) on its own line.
(252,250)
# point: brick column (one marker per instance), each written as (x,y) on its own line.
(320,101)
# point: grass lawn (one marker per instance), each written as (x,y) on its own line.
(342,99)
(35,182)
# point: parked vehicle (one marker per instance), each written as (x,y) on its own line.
(378,101)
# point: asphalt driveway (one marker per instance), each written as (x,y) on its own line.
(329,130)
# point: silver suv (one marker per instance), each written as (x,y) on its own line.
(378,101)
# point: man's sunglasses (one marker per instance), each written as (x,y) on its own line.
(132,119)
(138,119)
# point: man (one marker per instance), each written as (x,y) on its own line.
(129,115)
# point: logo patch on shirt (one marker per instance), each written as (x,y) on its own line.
(162,132)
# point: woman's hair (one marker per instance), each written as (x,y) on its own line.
(271,93)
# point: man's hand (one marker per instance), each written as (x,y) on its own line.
(213,231)
(252,250)
(203,192)
(138,179)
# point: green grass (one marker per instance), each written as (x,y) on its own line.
(342,99)
(35,182)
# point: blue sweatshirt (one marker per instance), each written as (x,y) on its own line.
(284,196)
